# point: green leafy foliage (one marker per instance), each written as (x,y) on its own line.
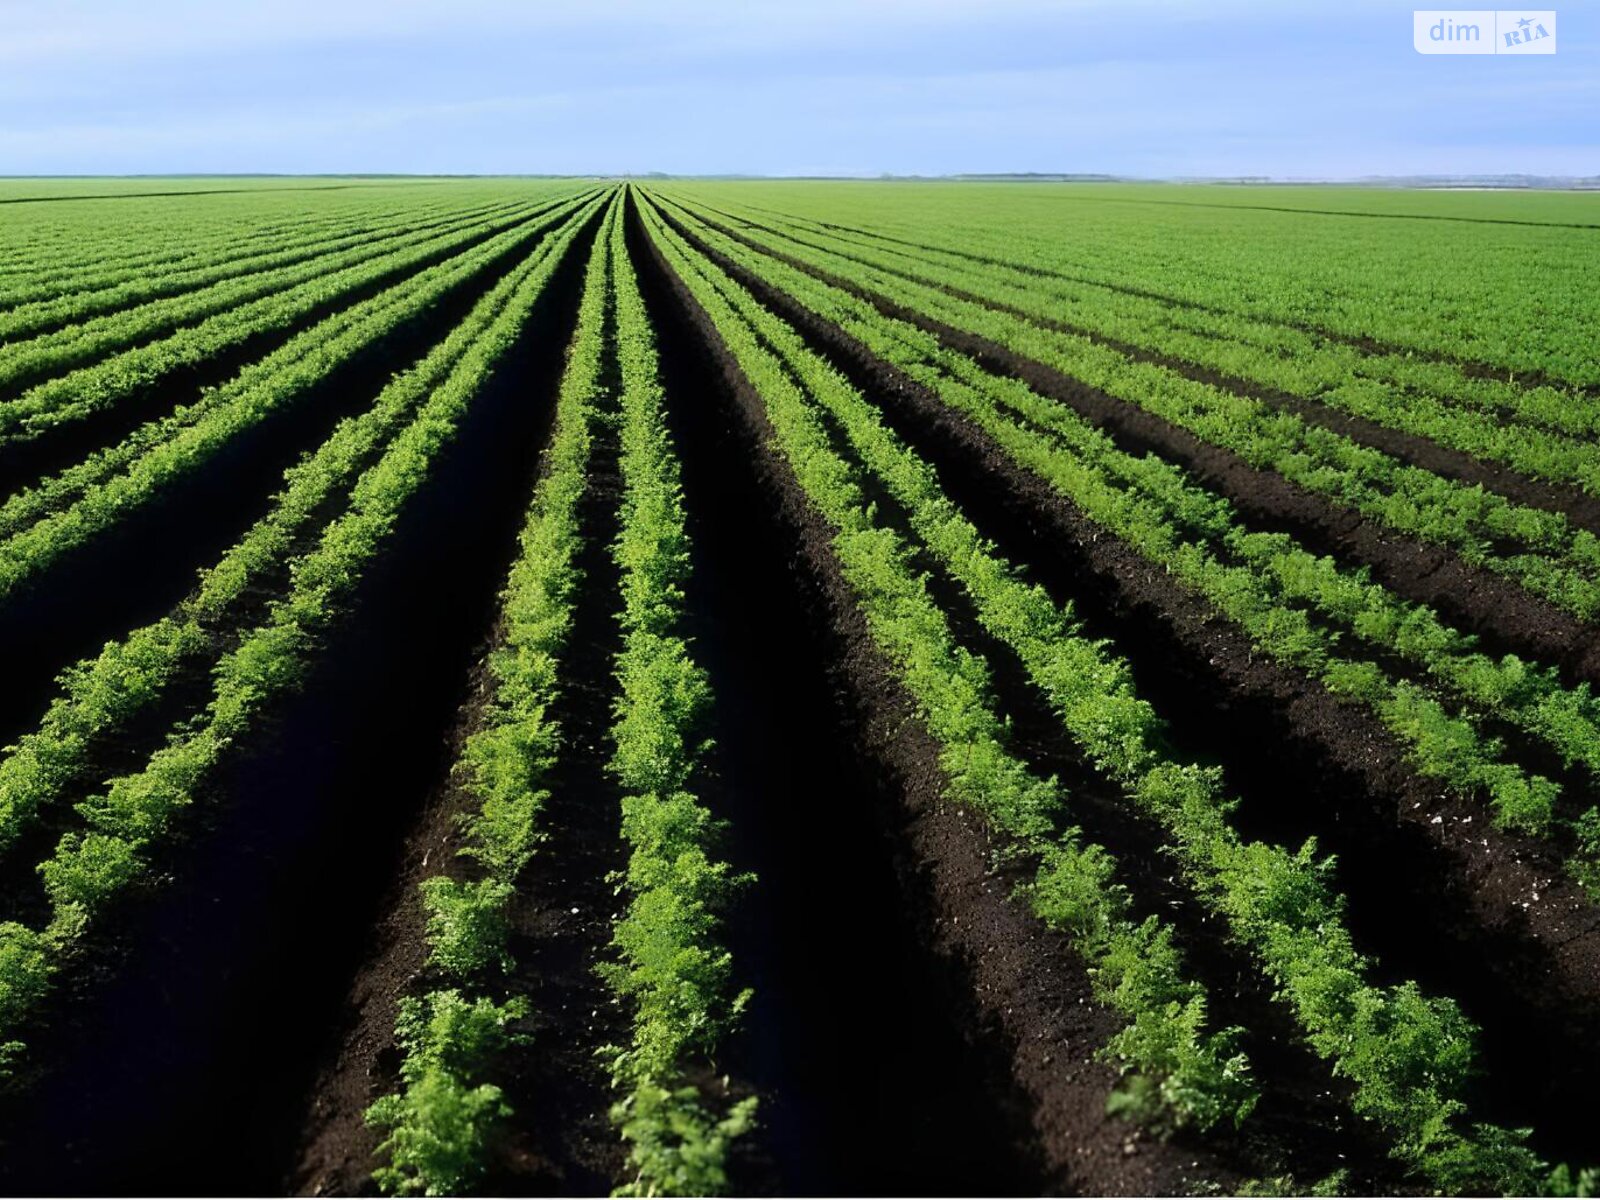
(91,869)
(1565,1181)
(437,1130)
(1407,1055)
(440,1124)
(670,968)
(1438,400)
(467,924)
(26,966)
(678,1147)
(1179,1072)
(1257,580)
(40,524)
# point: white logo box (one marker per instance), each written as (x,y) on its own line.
(1483,31)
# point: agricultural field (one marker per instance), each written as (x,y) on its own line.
(530,686)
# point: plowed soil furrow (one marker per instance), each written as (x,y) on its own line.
(875,737)
(1435,891)
(559,1140)
(1507,617)
(1013,989)
(335,1148)
(128,747)
(25,463)
(1301,1123)
(138,570)
(225,988)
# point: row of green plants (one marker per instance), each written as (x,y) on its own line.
(671,967)
(92,868)
(1176,1070)
(115,482)
(105,360)
(103,694)
(85,338)
(168,298)
(1369,380)
(1373,282)
(1289,364)
(64,257)
(1538,549)
(1409,1057)
(25,506)
(108,251)
(46,237)
(1251,578)
(438,1128)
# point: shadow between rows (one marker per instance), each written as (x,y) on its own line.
(1408,902)
(182,1065)
(56,447)
(872,1081)
(138,569)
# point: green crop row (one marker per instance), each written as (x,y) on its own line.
(164,300)
(1389,387)
(85,339)
(438,1127)
(131,249)
(1327,374)
(147,468)
(1146,503)
(91,869)
(108,252)
(1396,283)
(240,310)
(56,492)
(1176,1072)
(101,695)
(671,967)
(48,242)
(1540,550)
(1408,1056)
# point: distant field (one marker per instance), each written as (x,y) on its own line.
(83,187)
(547,687)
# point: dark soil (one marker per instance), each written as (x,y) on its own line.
(127,747)
(914,1029)
(337,1148)
(938,938)
(1582,509)
(1506,617)
(1435,891)
(138,570)
(1301,1121)
(229,989)
(53,448)
(559,1139)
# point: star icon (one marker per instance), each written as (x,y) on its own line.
(1525,22)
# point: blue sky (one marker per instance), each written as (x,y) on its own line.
(1291,88)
